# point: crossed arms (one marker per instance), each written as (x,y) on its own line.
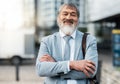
(84,66)
(79,69)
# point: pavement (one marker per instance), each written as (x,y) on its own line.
(27,74)
(109,74)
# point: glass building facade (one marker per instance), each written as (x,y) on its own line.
(47,11)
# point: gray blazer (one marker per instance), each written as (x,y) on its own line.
(57,72)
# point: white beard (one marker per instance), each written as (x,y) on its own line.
(68,30)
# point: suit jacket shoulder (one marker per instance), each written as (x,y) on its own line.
(49,38)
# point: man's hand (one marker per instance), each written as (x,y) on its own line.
(85,66)
(46,58)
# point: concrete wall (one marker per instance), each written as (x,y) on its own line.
(99,9)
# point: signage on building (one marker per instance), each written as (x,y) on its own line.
(116,47)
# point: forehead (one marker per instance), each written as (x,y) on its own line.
(69,8)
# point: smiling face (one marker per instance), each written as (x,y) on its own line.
(68,19)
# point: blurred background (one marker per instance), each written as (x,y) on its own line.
(24,22)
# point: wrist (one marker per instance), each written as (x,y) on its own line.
(71,65)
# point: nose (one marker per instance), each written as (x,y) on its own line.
(68,16)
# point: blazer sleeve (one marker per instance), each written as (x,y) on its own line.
(49,69)
(91,54)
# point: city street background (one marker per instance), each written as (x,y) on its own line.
(23,23)
(27,74)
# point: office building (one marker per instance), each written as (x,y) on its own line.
(47,11)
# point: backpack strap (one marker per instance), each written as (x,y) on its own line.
(84,44)
(94,79)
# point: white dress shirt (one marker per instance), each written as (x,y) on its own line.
(72,50)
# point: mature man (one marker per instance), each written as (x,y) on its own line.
(60,57)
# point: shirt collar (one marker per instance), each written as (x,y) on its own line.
(73,34)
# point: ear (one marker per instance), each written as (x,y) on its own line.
(58,18)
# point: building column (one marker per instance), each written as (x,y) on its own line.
(91,28)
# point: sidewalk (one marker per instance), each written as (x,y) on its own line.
(109,73)
(27,75)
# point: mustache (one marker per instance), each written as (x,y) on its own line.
(68,20)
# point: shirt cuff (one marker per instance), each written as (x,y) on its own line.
(68,65)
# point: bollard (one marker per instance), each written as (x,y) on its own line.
(17,71)
(16,61)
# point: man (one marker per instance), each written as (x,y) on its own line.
(61,61)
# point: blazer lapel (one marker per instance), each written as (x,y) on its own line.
(58,47)
(78,40)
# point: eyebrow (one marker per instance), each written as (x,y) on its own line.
(69,12)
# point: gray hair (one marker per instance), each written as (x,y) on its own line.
(70,5)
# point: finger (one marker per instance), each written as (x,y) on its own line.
(86,73)
(44,56)
(43,59)
(89,70)
(91,62)
(91,66)
(47,55)
(49,58)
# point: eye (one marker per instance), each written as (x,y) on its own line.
(65,14)
(73,14)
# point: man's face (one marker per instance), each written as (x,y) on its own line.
(68,19)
